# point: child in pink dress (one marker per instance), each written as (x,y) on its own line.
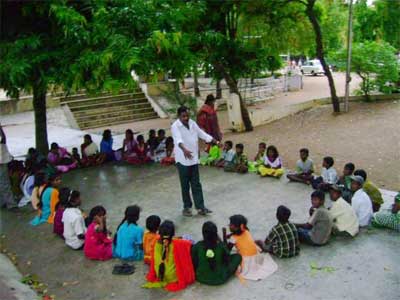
(98,243)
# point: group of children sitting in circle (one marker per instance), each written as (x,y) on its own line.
(176,262)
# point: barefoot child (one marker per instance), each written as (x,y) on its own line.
(214,154)
(283,240)
(345,182)
(258,159)
(304,168)
(317,230)
(360,201)
(227,156)
(74,222)
(212,260)
(170,158)
(254,266)
(239,161)
(98,243)
(328,175)
(58,226)
(272,165)
(372,191)
(171,263)
(389,218)
(151,236)
(128,241)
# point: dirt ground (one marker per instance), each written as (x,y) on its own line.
(368,136)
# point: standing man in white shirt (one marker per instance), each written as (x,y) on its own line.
(6,196)
(360,201)
(186,134)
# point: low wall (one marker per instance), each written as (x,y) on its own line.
(262,116)
(23,104)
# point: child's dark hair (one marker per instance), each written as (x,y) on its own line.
(305,151)
(140,138)
(238,221)
(88,137)
(329,161)
(74,149)
(132,214)
(262,144)
(96,211)
(167,232)
(318,194)
(107,134)
(283,214)
(54,146)
(161,132)
(210,240)
(67,197)
(350,166)
(152,132)
(239,146)
(52,177)
(274,150)
(169,140)
(153,223)
(40,179)
(229,143)
(362,173)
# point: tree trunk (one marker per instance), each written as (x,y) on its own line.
(233,88)
(218,90)
(196,82)
(39,107)
(320,53)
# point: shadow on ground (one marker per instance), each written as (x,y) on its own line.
(364,268)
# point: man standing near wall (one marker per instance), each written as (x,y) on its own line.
(186,134)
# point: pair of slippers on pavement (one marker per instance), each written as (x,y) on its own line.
(124,269)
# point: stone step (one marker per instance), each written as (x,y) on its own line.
(105,103)
(103,99)
(82,96)
(108,109)
(119,113)
(117,120)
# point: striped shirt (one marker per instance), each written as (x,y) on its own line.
(284,240)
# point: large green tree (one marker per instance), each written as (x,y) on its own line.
(61,45)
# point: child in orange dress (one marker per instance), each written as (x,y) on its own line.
(254,266)
(150,237)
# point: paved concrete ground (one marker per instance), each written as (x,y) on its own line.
(364,268)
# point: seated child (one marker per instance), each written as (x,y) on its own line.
(76,156)
(74,222)
(254,266)
(142,152)
(272,165)
(371,190)
(171,264)
(345,182)
(388,218)
(98,243)
(214,154)
(39,185)
(304,168)
(239,161)
(227,156)
(317,230)
(170,158)
(152,141)
(90,153)
(128,241)
(283,240)
(212,260)
(344,218)
(27,185)
(150,237)
(61,158)
(258,159)
(360,202)
(328,175)
(160,151)
(48,200)
(58,226)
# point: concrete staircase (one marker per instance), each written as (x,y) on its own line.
(108,109)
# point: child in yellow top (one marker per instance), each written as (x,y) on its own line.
(151,236)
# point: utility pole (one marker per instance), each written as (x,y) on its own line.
(349,45)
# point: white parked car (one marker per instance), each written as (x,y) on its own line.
(312,67)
